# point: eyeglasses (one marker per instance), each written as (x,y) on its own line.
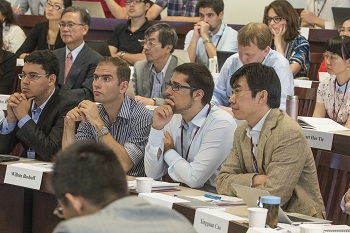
(55,7)
(69,25)
(343,30)
(275,19)
(178,86)
(58,211)
(31,77)
(148,43)
(237,92)
(128,2)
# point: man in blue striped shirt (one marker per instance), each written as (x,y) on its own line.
(115,119)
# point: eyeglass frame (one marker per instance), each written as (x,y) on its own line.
(150,44)
(136,2)
(33,77)
(48,5)
(58,211)
(179,86)
(69,25)
(279,19)
(236,93)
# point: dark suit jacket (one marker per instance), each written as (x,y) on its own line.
(7,73)
(80,76)
(143,81)
(37,38)
(45,137)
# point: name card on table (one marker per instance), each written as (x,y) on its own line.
(213,221)
(319,139)
(24,175)
(3,104)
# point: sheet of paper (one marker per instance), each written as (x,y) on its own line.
(157,185)
(323,124)
(160,199)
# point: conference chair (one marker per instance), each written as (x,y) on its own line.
(307,100)
(315,62)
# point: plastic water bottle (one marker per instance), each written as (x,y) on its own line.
(213,64)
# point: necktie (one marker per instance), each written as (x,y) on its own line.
(68,65)
(35,114)
(255,163)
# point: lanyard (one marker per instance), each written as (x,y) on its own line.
(335,113)
(182,141)
(319,12)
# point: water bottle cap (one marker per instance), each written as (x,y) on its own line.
(270,200)
(292,97)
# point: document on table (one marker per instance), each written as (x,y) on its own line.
(157,185)
(320,124)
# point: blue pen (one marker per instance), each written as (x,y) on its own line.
(212,197)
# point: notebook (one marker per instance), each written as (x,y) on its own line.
(94,8)
(222,56)
(251,196)
(340,14)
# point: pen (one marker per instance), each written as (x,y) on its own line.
(212,196)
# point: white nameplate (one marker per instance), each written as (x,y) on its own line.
(319,139)
(264,230)
(160,199)
(3,104)
(302,83)
(24,175)
(211,220)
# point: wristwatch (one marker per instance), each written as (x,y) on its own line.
(208,40)
(104,131)
(122,53)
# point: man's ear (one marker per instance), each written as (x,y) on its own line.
(75,202)
(263,95)
(52,79)
(124,86)
(198,94)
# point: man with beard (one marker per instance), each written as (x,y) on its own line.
(116,120)
(210,33)
(189,138)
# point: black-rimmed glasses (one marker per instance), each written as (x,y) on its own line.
(275,19)
(128,2)
(54,6)
(178,86)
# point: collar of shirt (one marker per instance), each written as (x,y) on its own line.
(220,32)
(42,106)
(124,111)
(266,59)
(163,71)
(343,88)
(142,28)
(75,52)
(254,132)
(198,120)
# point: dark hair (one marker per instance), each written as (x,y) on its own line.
(198,76)
(260,77)
(339,45)
(285,10)
(6,11)
(123,69)
(47,59)
(166,34)
(84,14)
(90,170)
(256,33)
(67,3)
(216,5)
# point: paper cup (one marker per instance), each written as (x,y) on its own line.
(144,184)
(257,217)
(311,228)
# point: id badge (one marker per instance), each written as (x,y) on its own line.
(30,154)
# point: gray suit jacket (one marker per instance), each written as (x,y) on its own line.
(143,81)
(284,156)
(80,76)
(128,215)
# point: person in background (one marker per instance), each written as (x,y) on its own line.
(210,33)
(345,202)
(333,95)
(94,200)
(37,7)
(283,22)
(124,42)
(13,35)
(46,35)
(318,13)
(112,8)
(7,67)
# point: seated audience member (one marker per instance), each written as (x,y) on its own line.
(178,10)
(13,35)
(254,40)
(283,22)
(333,95)
(112,8)
(270,151)
(150,76)
(94,200)
(118,121)
(345,202)
(124,42)
(7,68)
(77,60)
(210,33)
(46,35)
(190,138)
(318,14)
(35,116)
(37,7)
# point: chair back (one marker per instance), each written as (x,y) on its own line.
(99,46)
(307,100)
(333,171)
(315,62)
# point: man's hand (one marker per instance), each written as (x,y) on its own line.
(90,113)
(347,201)
(204,29)
(308,17)
(20,105)
(258,180)
(168,142)
(162,115)
(145,101)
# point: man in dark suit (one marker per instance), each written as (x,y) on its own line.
(77,60)
(35,116)
(150,76)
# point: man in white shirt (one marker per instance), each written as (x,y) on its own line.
(189,138)
(210,33)
(254,40)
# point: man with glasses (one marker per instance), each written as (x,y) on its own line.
(254,40)
(190,138)
(124,42)
(77,60)
(210,33)
(270,151)
(150,76)
(35,116)
(92,192)
(117,120)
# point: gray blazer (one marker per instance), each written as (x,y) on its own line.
(143,82)
(80,76)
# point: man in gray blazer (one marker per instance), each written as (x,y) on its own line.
(91,189)
(77,60)
(150,76)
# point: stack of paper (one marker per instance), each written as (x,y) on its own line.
(157,185)
(320,124)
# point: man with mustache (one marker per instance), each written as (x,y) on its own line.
(189,138)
